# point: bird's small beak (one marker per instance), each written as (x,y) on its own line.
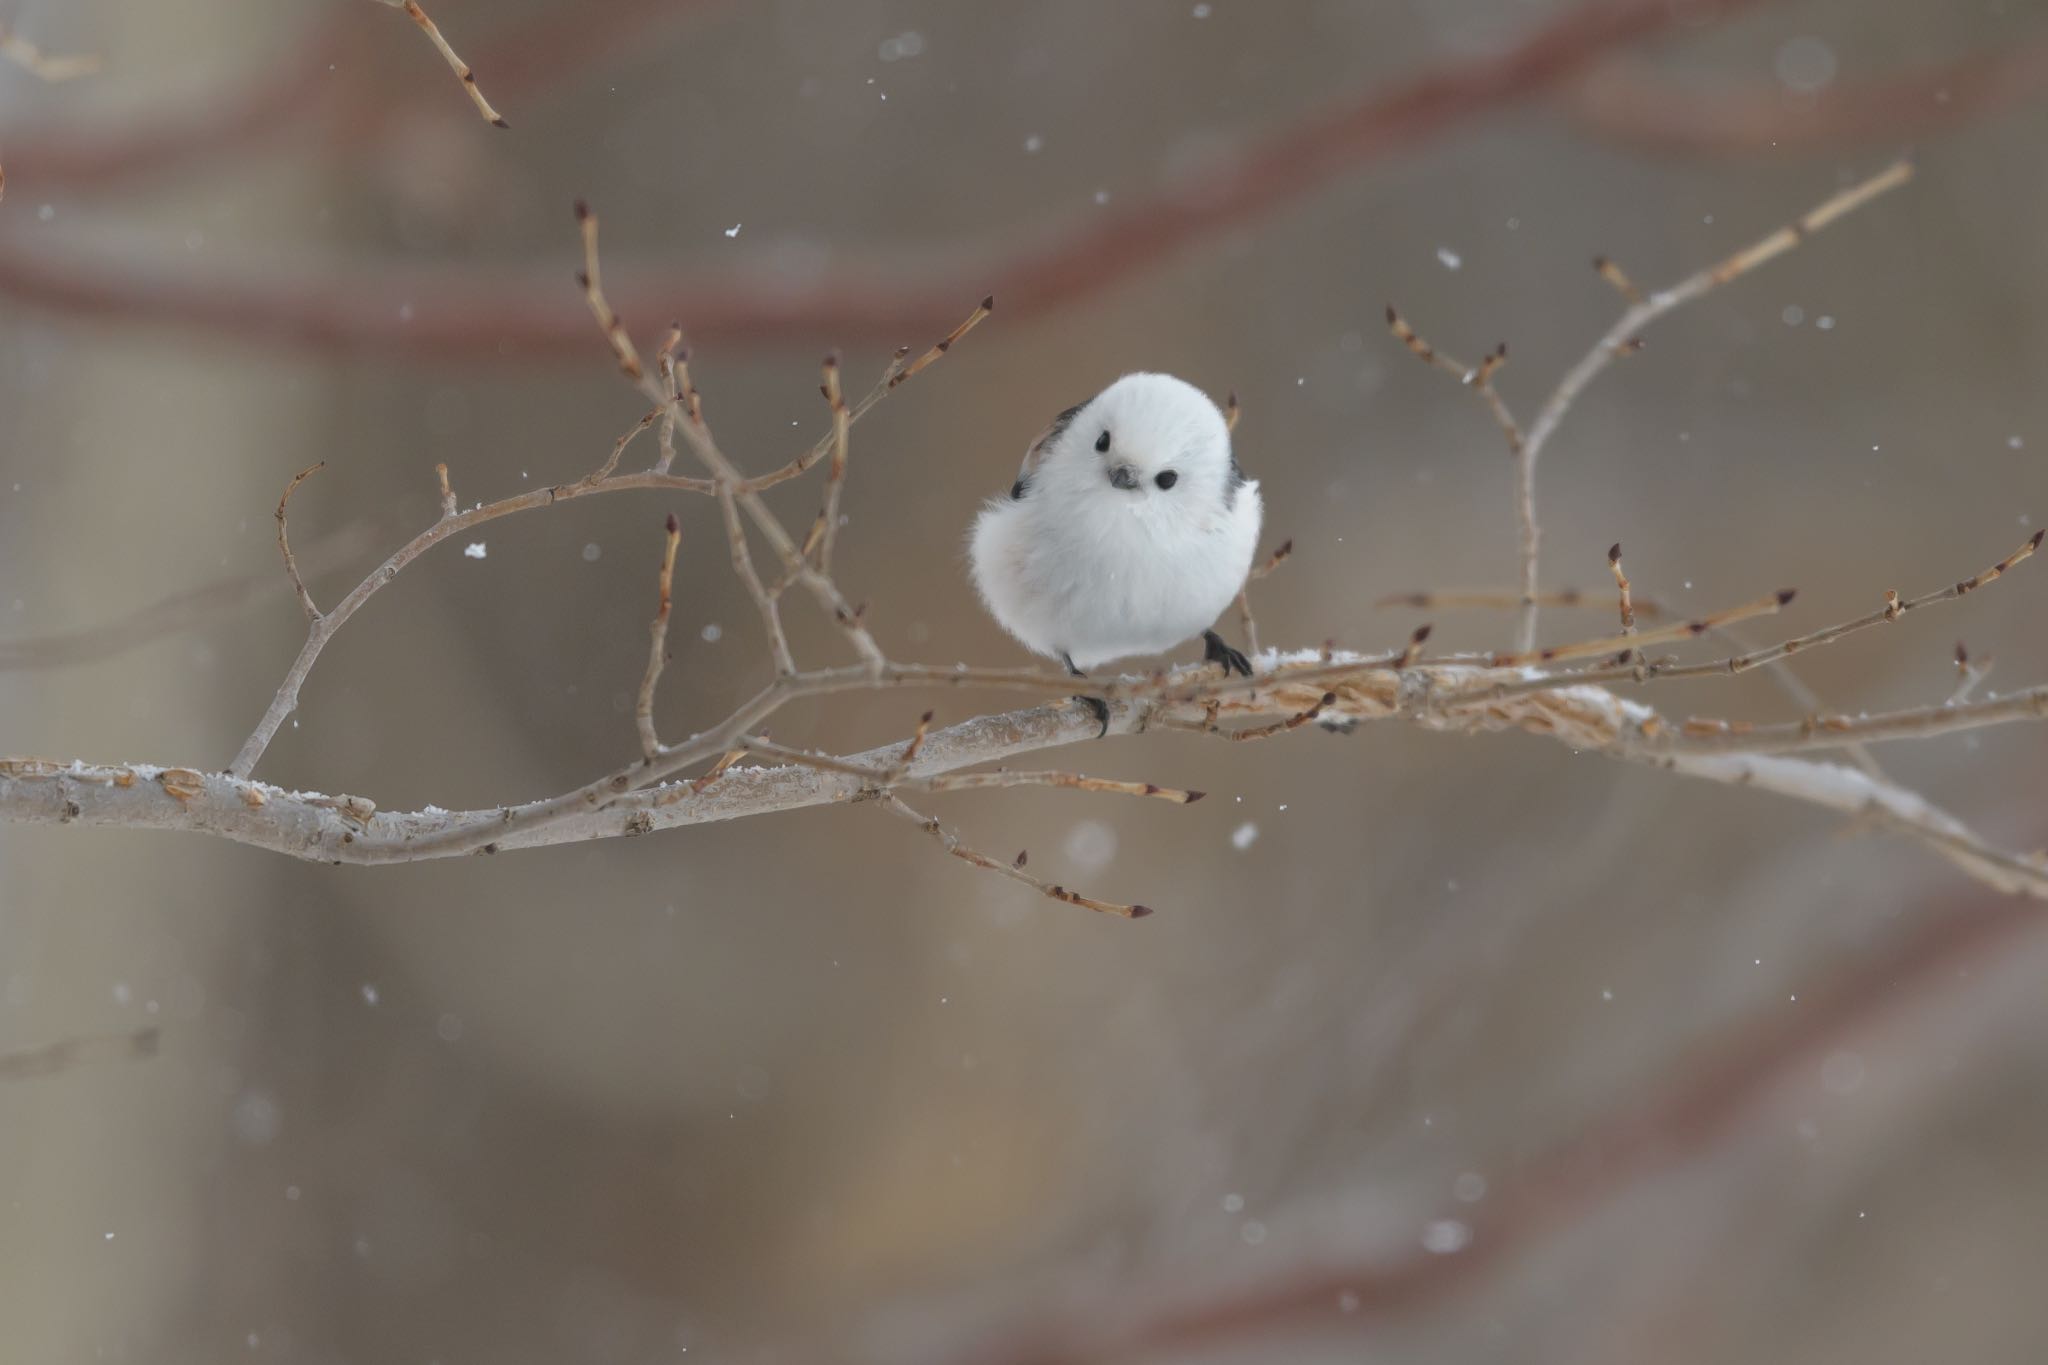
(1123,476)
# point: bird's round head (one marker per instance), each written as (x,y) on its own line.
(1148,437)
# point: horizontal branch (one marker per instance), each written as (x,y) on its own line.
(347,829)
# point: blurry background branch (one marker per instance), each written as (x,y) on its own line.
(450,310)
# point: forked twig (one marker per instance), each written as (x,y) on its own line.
(1478,378)
(765,602)
(1623,338)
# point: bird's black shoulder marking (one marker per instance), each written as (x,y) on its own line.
(1235,481)
(1060,424)
(1037,451)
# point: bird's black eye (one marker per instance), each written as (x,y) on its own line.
(1102,443)
(1167,478)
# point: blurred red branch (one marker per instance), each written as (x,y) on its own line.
(444,311)
(277,100)
(1708,1100)
(1633,103)
(290,93)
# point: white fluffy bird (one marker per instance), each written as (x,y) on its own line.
(1130,528)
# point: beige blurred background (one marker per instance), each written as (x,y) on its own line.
(1441,1048)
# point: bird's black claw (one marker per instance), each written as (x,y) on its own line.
(1218,651)
(1098,708)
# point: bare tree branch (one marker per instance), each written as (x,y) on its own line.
(455,63)
(1622,339)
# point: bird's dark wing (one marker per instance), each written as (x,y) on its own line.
(1036,453)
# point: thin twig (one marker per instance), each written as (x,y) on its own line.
(284,544)
(455,63)
(743,565)
(447,491)
(938,349)
(1892,610)
(1281,727)
(657,644)
(618,452)
(593,294)
(763,747)
(835,476)
(672,386)
(1478,378)
(1029,777)
(1615,276)
(1767,605)
(684,413)
(1503,599)
(1834,732)
(1787,680)
(1259,571)
(1969,673)
(917,738)
(1013,870)
(715,771)
(286,699)
(1628,606)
